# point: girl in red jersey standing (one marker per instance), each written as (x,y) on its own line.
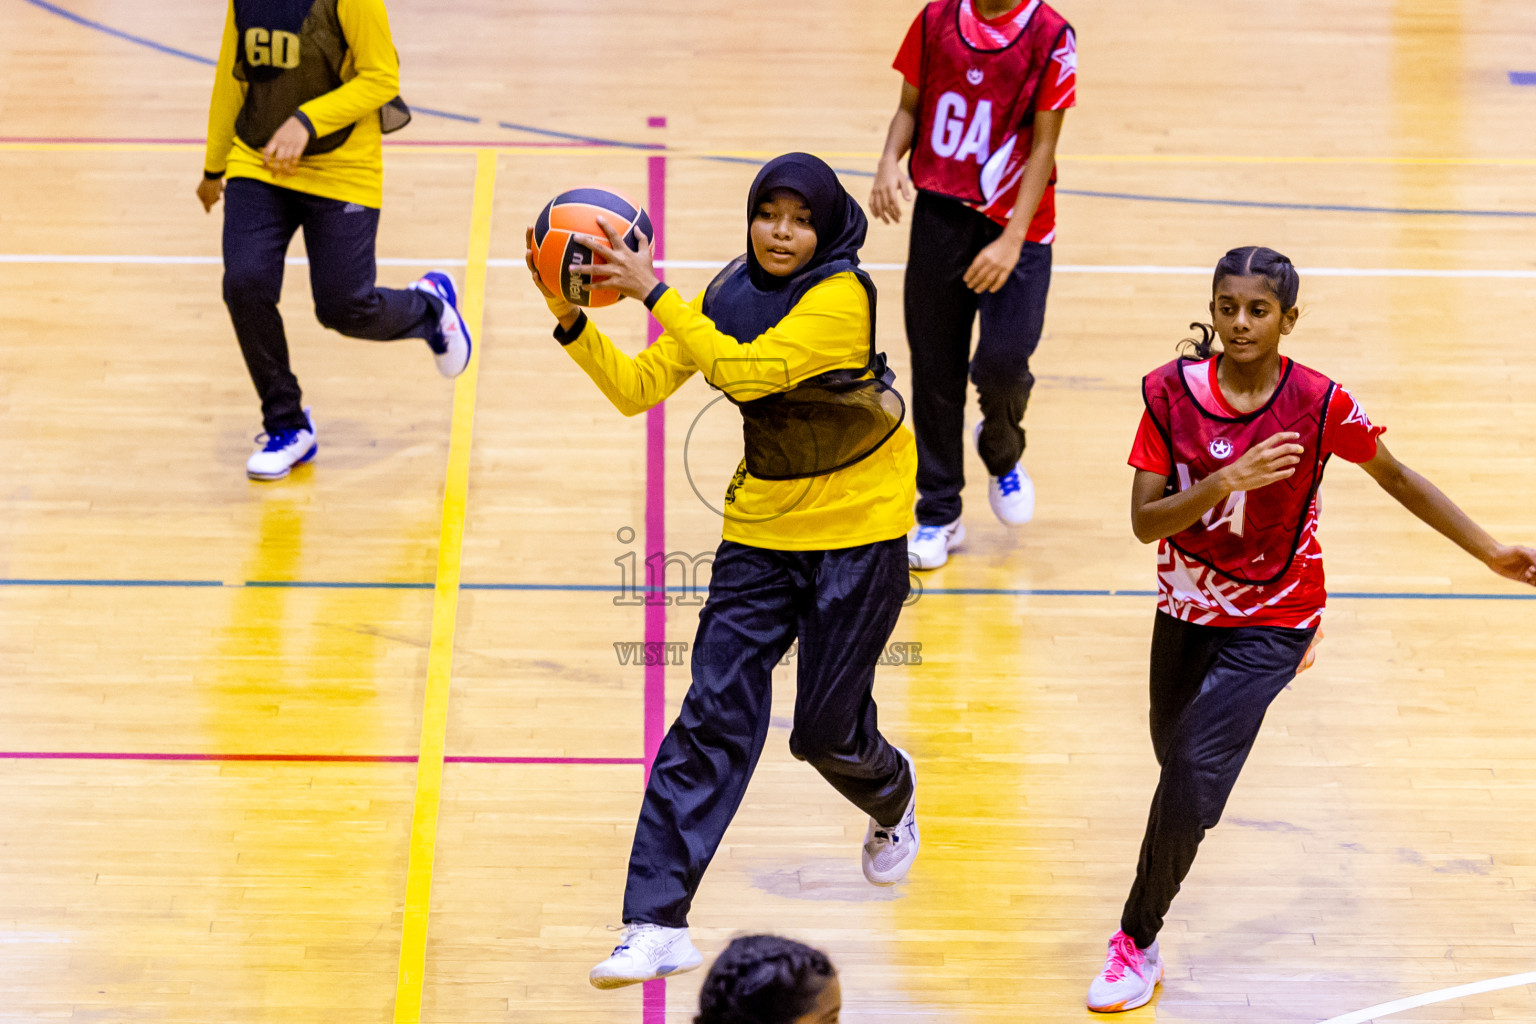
(987,84)
(1228,461)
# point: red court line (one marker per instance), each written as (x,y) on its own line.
(403,143)
(91,755)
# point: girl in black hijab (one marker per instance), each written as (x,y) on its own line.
(814,548)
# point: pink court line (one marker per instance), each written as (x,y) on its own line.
(497,144)
(653,1002)
(403,143)
(91,755)
(71,139)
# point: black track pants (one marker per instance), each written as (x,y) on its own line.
(842,606)
(1211,686)
(940,312)
(259,222)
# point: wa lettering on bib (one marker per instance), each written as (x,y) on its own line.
(1251,537)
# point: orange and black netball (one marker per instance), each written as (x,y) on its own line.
(556,249)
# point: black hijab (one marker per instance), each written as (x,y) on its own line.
(746,300)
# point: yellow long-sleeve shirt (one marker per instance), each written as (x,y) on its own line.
(352,172)
(828,328)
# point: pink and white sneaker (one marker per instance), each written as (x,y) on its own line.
(1128,978)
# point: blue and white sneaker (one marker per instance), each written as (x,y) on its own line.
(281,451)
(930,546)
(450,346)
(1012,495)
(646,952)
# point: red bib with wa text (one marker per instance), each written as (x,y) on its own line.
(978,104)
(1251,536)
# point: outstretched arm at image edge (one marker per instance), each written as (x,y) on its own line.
(1430,504)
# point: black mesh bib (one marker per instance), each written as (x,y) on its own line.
(825,423)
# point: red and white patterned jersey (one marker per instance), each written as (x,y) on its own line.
(980,83)
(1194,592)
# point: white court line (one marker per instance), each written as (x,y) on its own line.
(1130,269)
(1443,995)
(200,261)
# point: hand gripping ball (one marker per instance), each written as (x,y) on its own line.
(556,249)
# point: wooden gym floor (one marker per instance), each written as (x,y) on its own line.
(312,751)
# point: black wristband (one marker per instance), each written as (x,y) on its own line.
(309,125)
(565,337)
(212,175)
(655,295)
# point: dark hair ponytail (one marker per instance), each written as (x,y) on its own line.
(1249,261)
(762,979)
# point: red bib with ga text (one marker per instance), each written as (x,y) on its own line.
(978,104)
(1252,536)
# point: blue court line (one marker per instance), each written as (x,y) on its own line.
(120,34)
(571,587)
(572,136)
(574,588)
(185,55)
(330,585)
(1517,77)
(467,118)
(107,583)
(1033,592)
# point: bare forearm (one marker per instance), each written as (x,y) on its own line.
(1165,517)
(898,138)
(1037,175)
(1431,505)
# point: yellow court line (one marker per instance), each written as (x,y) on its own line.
(445,608)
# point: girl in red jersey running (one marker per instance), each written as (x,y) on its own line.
(1228,461)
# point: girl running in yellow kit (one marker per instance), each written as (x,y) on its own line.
(814,542)
(303,93)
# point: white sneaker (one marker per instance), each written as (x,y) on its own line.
(929,546)
(451,347)
(1012,495)
(646,952)
(889,852)
(1128,977)
(281,451)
